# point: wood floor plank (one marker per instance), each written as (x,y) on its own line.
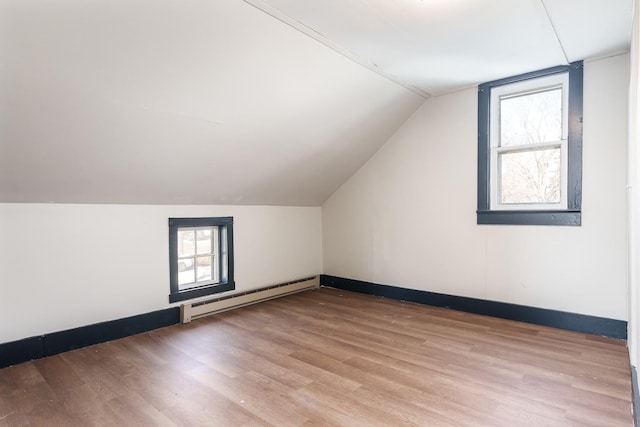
(329,358)
(57,373)
(258,395)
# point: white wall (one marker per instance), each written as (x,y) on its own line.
(407,218)
(633,190)
(65,266)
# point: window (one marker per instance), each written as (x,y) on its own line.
(530,148)
(201,257)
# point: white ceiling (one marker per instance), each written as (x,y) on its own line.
(437,46)
(218,102)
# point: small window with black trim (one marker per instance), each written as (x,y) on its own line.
(201,257)
(530,148)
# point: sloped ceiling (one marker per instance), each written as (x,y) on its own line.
(173,101)
(437,46)
(218,102)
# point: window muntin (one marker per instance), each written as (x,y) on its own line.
(201,256)
(505,149)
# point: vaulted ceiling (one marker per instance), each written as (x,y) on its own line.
(249,102)
(436,46)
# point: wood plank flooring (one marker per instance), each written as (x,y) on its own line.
(334,358)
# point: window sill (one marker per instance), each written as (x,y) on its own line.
(201,292)
(531,217)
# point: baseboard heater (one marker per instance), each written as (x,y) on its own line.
(196,310)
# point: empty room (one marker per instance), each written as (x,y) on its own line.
(340,213)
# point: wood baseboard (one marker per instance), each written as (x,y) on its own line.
(15,352)
(611,328)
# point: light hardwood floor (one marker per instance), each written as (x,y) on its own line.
(329,357)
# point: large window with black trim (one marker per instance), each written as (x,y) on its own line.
(200,256)
(530,148)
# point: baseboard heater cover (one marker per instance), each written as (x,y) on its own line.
(196,310)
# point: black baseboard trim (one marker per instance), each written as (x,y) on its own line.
(635,398)
(15,352)
(558,319)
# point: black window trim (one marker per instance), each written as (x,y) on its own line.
(572,216)
(174,223)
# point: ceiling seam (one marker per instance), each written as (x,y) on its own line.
(555,31)
(310,32)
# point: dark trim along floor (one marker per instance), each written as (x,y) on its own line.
(635,395)
(15,352)
(558,319)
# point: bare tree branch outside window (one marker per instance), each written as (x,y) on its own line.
(530,174)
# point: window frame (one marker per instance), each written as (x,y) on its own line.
(524,215)
(225,223)
(524,88)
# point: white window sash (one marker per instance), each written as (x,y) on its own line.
(215,265)
(495,151)
(522,88)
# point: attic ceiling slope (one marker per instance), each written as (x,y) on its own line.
(180,102)
(439,46)
(201,102)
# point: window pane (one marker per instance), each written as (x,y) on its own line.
(203,268)
(186,272)
(531,118)
(204,241)
(186,242)
(530,176)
